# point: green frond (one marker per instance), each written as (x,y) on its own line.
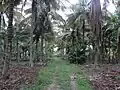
(28,11)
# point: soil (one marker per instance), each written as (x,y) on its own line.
(18,75)
(73,84)
(105,77)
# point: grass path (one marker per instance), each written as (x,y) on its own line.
(57,76)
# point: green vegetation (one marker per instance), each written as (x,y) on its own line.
(31,31)
(59,71)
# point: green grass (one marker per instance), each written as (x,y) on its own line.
(61,71)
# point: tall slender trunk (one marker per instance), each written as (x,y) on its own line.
(118,46)
(16,38)
(109,60)
(41,47)
(31,49)
(96,27)
(0,20)
(46,55)
(17,51)
(102,48)
(83,29)
(9,39)
(97,52)
(31,33)
(37,57)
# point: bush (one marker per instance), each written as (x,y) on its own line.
(77,54)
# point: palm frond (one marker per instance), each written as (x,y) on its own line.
(28,11)
(56,16)
(23,5)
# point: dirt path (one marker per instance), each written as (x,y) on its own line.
(61,75)
(55,86)
(73,82)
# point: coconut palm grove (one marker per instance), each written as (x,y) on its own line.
(59,44)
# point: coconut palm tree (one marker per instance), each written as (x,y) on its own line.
(9,4)
(41,21)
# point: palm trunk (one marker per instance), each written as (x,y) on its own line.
(118,45)
(31,49)
(37,51)
(109,50)
(17,50)
(31,32)
(96,26)
(0,20)
(97,53)
(83,30)
(102,48)
(41,54)
(9,39)
(46,55)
